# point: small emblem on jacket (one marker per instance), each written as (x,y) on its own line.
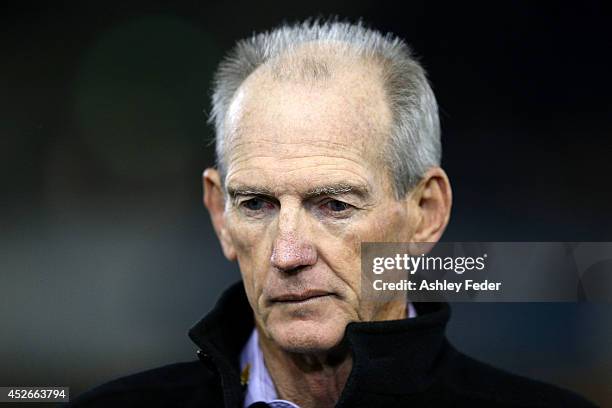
(244,375)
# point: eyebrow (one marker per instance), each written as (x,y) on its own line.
(334,189)
(338,189)
(248,190)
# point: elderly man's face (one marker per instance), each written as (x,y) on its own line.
(306,184)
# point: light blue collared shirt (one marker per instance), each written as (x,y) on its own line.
(260,387)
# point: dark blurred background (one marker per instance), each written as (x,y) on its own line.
(107,256)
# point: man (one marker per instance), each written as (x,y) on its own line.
(327,137)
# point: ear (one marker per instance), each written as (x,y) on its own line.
(433,197)
(214,200)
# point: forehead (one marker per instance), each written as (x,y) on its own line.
(339,119)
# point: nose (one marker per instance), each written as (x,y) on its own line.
(293,250)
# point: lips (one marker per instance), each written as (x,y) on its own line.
(300,296)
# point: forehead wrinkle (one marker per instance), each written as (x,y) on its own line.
(304,172)
(265,148)
(252,153)
(314,142)
(286,150)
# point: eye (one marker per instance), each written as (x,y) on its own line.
(254,204)
(336,206)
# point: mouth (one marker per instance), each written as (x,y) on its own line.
(301,297)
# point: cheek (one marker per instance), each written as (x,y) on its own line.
(342,249)
(390,223)
(394,224)
(342,254)
(247,237)
(253,254)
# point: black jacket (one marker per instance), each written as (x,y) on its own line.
(401,363)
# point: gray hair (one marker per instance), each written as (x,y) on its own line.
(414,143)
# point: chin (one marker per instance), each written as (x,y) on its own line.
(314,326)
(307,336)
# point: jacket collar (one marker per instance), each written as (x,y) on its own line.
(390,357)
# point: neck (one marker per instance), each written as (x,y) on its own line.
(308,380)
